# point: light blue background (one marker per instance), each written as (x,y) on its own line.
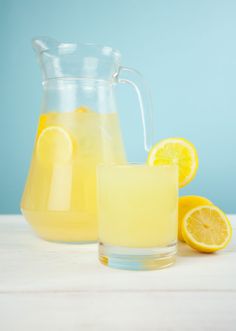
(185,49)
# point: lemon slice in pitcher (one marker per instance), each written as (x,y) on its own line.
(206,228)
(54,145)
(176,151)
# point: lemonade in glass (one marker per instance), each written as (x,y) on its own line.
(138,215)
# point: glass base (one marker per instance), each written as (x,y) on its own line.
(137,258)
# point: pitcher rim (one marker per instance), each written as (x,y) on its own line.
(98,46)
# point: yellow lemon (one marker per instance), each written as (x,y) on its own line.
(82,109)
(176,151)
(206,228)
(186,203)
(54,145)
(42,123)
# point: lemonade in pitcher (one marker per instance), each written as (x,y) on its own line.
(60,196)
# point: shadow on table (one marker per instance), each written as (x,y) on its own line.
(186,251)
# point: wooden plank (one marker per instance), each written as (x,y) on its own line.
(136,311)
(28,263)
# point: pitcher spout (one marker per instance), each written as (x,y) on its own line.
(75,60)
(41,44)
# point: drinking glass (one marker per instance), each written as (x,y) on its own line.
(137,215)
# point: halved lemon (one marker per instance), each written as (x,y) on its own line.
(206,228)
(176,151)
(186,203)
(54,145)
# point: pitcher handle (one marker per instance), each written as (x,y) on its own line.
(135,79)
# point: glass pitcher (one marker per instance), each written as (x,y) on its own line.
(78,129)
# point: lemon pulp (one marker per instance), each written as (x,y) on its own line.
(177,151)
(206,228)
(186,203)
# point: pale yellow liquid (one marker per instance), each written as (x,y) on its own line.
(60,198)
(138,205)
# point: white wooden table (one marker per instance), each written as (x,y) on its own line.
(46,286)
